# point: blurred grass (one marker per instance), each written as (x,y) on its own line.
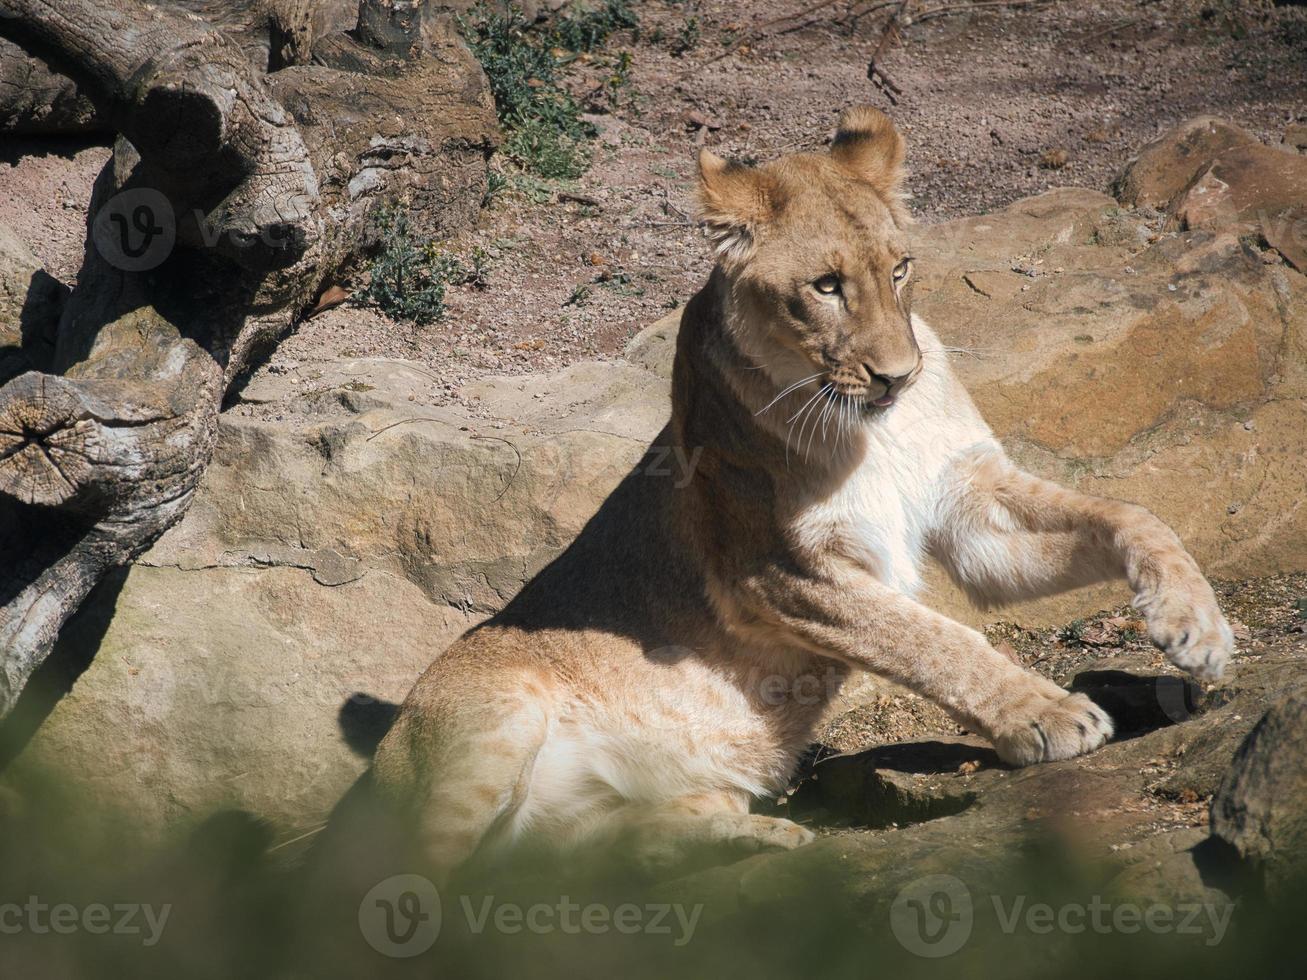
(239,909)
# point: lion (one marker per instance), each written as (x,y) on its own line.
(672,664)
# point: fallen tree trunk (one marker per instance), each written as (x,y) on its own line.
(272,34)
(230,199)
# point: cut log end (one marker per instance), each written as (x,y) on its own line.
(45,440)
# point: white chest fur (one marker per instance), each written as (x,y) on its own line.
(884,511)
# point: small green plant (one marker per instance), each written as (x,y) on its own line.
(1073,633)
(544,132)
(408,280)
(1131,635)
(688,37)
(477,273)
(546,149)
(621,282)
(579,297)
(619,79)
(588,30)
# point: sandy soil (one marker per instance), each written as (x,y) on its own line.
(984,98)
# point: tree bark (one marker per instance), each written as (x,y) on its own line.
(273,34)
(35,101)
(208,231)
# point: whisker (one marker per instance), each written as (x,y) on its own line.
(808,416)
(973,351)
(790,388)
(806,404)
(816,420)
(832,403)
(789,431)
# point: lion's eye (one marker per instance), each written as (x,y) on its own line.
(827,285)
(901,270)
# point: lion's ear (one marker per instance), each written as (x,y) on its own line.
(868,146)
(733,201)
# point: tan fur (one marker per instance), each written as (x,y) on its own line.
(673,661)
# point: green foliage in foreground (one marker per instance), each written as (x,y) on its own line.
(228,899)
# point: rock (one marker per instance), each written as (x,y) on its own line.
(1251,187)
(1261,807)
(654,347)
(1165,167)
(1139,699)
(30,304)
(1295,136)
(228,686)
(1225,717)
(897,785)
(694,119)
(1210,174)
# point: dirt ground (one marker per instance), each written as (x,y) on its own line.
(985,97)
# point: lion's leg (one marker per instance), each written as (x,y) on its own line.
(1006,535)
(461,773)
(835,608)
(694,831)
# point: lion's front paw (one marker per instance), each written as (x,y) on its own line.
(1045,727)
(1188,626)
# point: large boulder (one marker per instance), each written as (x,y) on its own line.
(1167,165)
(1209,173)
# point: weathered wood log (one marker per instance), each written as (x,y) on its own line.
(208,231)
(35,101)
(272,34)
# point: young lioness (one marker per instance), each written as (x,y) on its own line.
(672,663)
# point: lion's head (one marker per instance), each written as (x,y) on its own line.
(813,248)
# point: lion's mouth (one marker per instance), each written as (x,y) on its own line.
(862,400)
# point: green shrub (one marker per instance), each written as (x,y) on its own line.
(544,132)
(408,280)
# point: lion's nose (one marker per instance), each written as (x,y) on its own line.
(890,381)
